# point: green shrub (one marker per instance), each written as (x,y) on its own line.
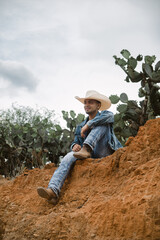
(30,138)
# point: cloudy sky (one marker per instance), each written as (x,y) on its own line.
(53,50)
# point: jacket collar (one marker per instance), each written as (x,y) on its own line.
(87,119)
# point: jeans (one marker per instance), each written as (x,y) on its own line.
(97,139)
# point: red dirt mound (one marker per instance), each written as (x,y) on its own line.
(114,198)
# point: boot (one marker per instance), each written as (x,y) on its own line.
(48,194)
(84,153)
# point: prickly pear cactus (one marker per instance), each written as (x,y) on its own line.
(131,115)
(149,77)
(128,117)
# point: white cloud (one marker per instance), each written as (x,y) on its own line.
(69,45)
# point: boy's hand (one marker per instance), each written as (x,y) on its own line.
(84,129)
(76,148)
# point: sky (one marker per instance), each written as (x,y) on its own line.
(54,50)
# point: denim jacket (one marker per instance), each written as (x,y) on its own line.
(102,118)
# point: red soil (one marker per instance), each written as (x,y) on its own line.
(114,198)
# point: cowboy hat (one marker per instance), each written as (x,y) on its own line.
(91,94)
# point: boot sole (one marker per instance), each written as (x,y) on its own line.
(43,193)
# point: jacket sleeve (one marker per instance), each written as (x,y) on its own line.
(106,117)
(77,137)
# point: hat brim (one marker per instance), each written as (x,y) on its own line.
(105,102)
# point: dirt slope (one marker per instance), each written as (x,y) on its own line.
(114,198)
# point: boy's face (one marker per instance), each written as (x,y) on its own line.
(91,106)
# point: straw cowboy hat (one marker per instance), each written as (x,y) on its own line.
(91,94)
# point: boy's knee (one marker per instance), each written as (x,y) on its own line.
(100,127)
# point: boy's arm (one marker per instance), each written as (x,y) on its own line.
(77,138)
(104,118)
